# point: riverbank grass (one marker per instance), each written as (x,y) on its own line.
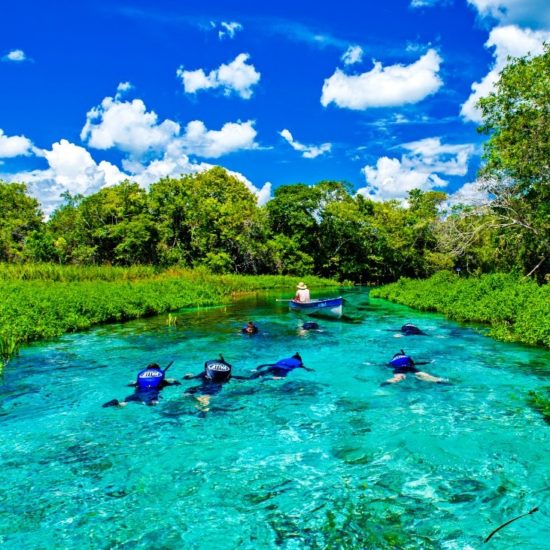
(516,309)
(44,301)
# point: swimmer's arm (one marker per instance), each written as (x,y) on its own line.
(132,385)
(241,377)
(306,368)
(259,367)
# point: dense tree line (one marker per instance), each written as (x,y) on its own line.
(211,219)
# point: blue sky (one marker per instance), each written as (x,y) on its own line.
(379,94)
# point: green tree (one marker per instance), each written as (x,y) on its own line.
(20,217)
(516,171)
(113,225)
(209,218)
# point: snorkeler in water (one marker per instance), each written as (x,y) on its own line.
(149,382)
(408,329)
(250,328)
(216,373)
(281,368)
(402,364)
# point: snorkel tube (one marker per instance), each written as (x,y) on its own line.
(167,367)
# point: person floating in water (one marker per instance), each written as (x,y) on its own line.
(408,329)
(149,382)
(216,373)
(302,293)
(308,327)
(281,368)
(250,328)
(402,364)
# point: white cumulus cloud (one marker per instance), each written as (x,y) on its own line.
(528,13)
(14,146)
(506,41)
(384,86)
(233,136)
(237,77)
(70,168)
(472,193)
(128,126)
(16,56)
(153,150)
(420,167)
(451,160)
(229,29)
(354,54)
(308,151)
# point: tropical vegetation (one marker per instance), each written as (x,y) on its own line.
(212,221)
(45,301)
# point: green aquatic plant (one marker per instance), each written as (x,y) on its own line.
(540,402)
(9,346)
(171,320)
(355,525)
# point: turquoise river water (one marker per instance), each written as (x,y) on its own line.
(323,459)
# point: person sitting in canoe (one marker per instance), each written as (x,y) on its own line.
(147,386)
(302,293)
(281,368)
(216,373)
(250,328)
(402,364)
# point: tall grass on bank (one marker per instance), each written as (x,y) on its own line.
(68,273)
(516,309)
(45,301)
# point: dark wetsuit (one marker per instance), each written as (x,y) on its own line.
(411,330)
(281,368)
(402,364)
(216,373)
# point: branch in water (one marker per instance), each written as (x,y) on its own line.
(536,509)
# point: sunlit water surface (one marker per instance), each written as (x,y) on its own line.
(273,460)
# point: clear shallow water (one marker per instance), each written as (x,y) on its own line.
(436,466)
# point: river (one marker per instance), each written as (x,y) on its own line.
(292,463)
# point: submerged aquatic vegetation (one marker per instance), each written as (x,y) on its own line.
(9,346)
(540,402)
